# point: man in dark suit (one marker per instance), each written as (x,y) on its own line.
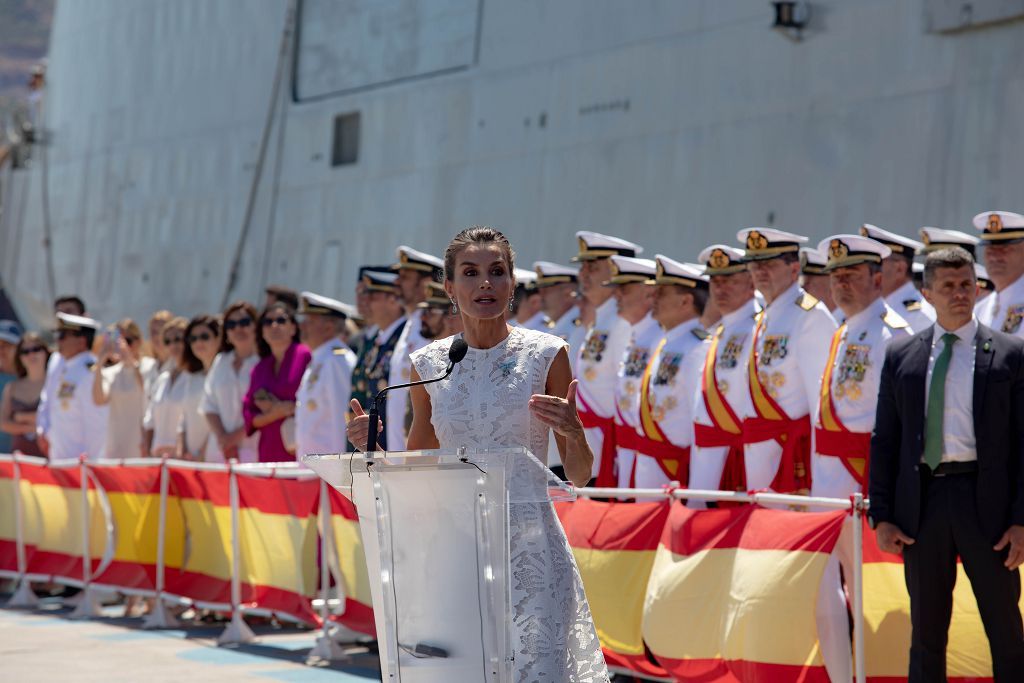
(947,470)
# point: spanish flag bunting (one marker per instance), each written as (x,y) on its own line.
(133,495)
(732,594)
(197,550)
(614,545)
(51,499)
(278,544)
(8,531)
(887,622)
(349,566)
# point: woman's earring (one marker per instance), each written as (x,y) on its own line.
(510,303)
(455,307)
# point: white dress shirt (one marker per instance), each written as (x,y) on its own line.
(163,414)
(399,372)
(223,394)
(958,443)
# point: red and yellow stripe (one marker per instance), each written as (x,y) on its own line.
(52,517)
(746,581)
(348,542)
(887,623)
(614,545)
(134,496)
(278,544)
(8,530)
(197,550)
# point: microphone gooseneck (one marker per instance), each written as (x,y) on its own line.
(456,352)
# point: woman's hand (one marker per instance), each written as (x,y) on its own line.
(359,426)
(558,413)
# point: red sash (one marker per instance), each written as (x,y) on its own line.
(674,461)
(726,428)
(831,437)
(591,420)
(772,423)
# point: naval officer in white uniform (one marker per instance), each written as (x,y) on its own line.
(415,269)
(321,401)
(1002,235)
(77,425)
(898,288)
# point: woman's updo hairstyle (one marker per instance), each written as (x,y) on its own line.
(478,234)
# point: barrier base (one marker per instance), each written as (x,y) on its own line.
(88,605)
(160,617)
(237,632)
(23,596)
(328,648)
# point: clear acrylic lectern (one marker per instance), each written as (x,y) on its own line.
(435,528)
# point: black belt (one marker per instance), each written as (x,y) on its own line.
(948,469)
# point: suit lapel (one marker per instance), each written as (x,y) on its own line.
(917,366)
(983,354)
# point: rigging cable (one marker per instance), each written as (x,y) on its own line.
(282,56)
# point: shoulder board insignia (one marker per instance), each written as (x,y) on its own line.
(806,302)
(893,320)
(700,333)
(912,304)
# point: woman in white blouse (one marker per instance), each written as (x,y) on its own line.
(202,339)
(163,414)
(122,373)
(226,386)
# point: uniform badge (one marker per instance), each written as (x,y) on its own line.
(593,350)
(731,351)
(636,362)
(775,348)
(772,382)
(1014,316)
(660,410)
(66,390)
(314,375)
(852,369)
(667,369)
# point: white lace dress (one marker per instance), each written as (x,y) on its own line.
(484,404)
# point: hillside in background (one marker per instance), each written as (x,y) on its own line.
(24,37)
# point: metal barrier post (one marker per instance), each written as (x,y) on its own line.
(858,586)
(326,647)
(23,596)
(237,632)
(160,617)
(88,606)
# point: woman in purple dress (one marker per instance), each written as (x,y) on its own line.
(270,401)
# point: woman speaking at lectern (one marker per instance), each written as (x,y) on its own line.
(513,386)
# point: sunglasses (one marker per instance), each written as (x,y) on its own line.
(202,336)
(280,320)
(240,323)
(61,334)
(28,350)
(173,340)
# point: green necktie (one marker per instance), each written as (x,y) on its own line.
(937,404)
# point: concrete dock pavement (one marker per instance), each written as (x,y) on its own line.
(45,645)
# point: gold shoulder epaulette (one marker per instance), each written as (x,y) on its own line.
(700,333)
(806,302)
(912,304)
(893,320)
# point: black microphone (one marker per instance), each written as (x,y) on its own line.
(456,352)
